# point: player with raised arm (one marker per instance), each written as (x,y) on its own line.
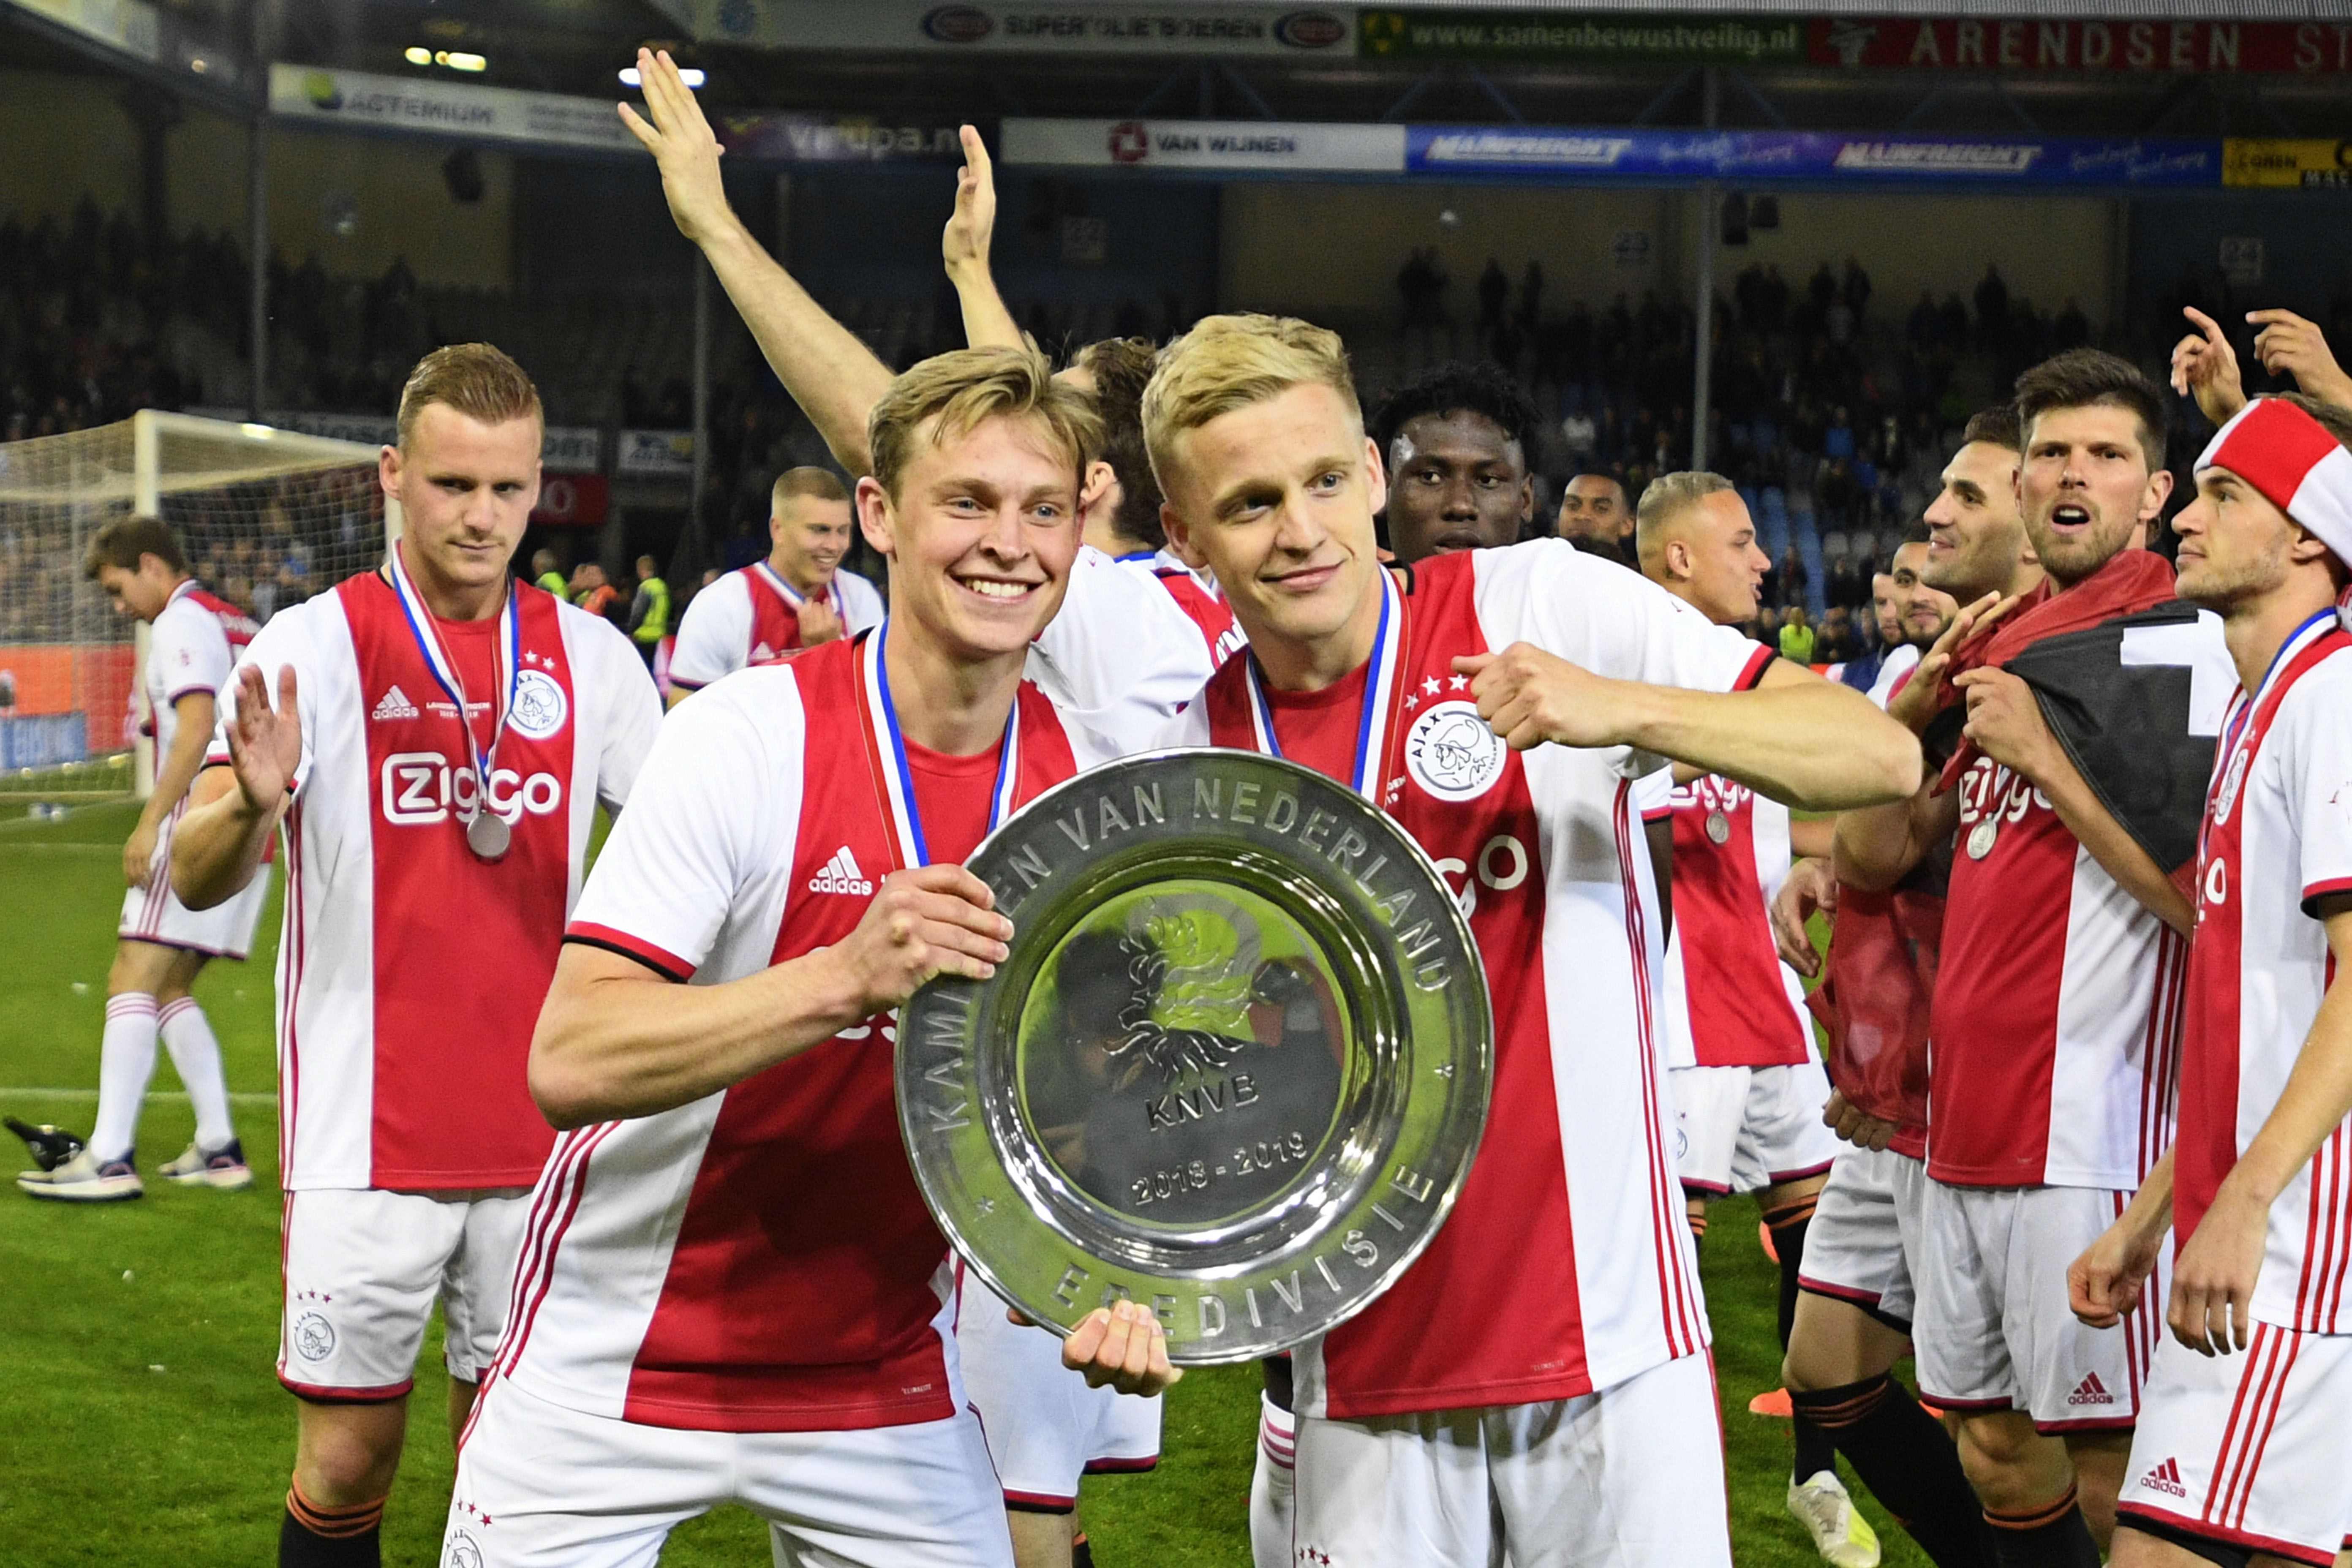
(161,945)
(2242,1444)
(1123,655)
(731,1289)
(438,742)
(1500,703)
(1747,1088)
(797,597)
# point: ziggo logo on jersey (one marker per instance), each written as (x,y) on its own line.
(1991,790)
(1503,865)
(419,787)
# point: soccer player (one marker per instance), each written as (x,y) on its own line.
(1571,1349)
(2242,1444)
(1595,517)
(1852,1318)
(2055,1011)
(161,945)
(439,738)
(1454,442)
(1747,1088)
(797,597)
(732,1290)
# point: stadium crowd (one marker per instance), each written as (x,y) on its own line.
(2074,814)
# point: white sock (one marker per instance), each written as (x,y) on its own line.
(126,1061)
(1273,1486)
(188,1035)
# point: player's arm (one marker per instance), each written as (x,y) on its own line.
(2287,342)
(2213,1280)
(618,1038)
(233,808)
(2007,725)
(964,248)
(174,772)
(832,375)
(1793,736)
(1810,836)
(711,637)
(2104,1285)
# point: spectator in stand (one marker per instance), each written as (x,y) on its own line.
(1794,579)
(1493,297)
(1992,306)
(1797,633)
(1853,289)
(543,573)
(591,592)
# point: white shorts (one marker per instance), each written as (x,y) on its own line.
(1993,1331)
(1045,1426)
(1740,1130)
(2250,1450)
(1862,1245)
(364,1268)
(1630,1477)
(154,913)
(539,1485)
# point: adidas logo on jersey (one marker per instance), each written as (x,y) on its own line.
(841,875)
(2091,1391)
(393,704)
(2165,1478)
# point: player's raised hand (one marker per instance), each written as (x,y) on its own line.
(673,129)
(1810,885)
(2104,1285)
(820,623)
(933,920)
(265,743)
(2204,366)
(2288,344)
(964,245)
(1529,697)
(1123,1345)
(1915,705)
(2213,1278)
(2006,722)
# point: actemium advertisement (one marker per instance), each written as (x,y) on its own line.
(362,100)
(1199,29)
(1235,146)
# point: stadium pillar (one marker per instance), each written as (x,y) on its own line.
(701,392)
(1709,217)
(257,216)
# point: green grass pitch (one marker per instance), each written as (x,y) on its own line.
(142,1423)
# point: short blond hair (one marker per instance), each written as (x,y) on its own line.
(1225,362)
(814,483)
(1666,497)
(946,396)
(476,380)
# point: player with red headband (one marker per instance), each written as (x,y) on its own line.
(2242,1445)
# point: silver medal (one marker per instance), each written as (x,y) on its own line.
(1982,838)
(487,834)
(1719,827)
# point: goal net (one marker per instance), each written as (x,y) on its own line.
(267,518)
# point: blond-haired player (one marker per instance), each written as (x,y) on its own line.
(439,739)
(1500,703)
(731,1289)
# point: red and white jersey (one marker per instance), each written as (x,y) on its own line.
(1195,594)
(1900,661)
(2277,837)
(192,646)
(2054,1030)
(760,1260)
(753,616)
(409,971)
(1748,1009)
(1120,657)
(1566,1266)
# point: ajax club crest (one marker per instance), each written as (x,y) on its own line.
(1451,754)
(540,706)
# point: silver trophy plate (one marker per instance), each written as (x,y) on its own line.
(1235,1066)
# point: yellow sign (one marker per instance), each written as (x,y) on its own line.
(2284,163)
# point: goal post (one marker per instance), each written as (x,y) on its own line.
(267,518)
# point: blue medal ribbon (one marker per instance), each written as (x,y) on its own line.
(897,775)
(1379,696)
(425,629)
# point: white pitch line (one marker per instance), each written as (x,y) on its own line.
(113,849)
(238,1098)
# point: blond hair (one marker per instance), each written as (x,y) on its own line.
(476,380)
(1225,362)
(820,484)
(946,396)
